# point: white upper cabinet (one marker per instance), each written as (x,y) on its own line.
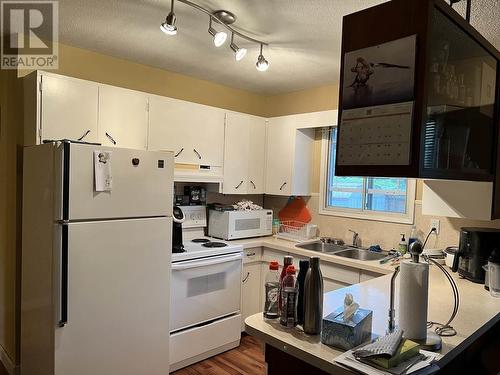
(123,117)
(257,156)
(67,109)
(164,134)
(193,131)
(279,153)
(289,157)
(244,154)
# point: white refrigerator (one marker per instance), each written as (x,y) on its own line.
(96,257)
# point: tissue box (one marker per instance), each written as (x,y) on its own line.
(347,335)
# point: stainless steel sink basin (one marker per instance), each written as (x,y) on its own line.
(342,250)
(360,254)
(322,247)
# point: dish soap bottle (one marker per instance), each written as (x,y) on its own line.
(272,287)
(403,245)
(289,294)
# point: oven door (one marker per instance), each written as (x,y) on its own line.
(205,289)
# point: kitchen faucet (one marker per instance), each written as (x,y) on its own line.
(355,237)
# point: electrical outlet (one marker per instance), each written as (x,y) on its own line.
(435,224)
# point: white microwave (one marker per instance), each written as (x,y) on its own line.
(230,225)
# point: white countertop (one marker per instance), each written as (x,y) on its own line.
(477,308)
(290,247)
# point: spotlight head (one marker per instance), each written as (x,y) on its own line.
(239,53)
(219,36)
(168,27)
(262,64)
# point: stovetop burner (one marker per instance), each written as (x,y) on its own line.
(200,240)
(214,244)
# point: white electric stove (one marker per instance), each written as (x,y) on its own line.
(204,247)
(205,294)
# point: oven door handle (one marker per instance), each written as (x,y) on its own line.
(205,262)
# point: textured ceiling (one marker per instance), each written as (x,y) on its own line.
(304,37)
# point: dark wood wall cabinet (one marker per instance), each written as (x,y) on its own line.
(419,95)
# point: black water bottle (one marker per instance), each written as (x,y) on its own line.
(313,298)
(301,278)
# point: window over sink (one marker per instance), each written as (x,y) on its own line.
(373,198)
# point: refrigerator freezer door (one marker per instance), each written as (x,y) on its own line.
(118,299)
(142,184)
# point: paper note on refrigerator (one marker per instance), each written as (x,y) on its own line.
(102,171)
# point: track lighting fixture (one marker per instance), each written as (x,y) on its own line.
(239,53)
(262,64)
(219,36)
(168,27)
(225,19)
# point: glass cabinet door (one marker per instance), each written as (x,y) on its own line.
(459,128)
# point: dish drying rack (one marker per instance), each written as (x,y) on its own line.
(293,230)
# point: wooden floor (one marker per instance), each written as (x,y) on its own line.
(247,359)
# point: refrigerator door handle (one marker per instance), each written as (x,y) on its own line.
(63,308)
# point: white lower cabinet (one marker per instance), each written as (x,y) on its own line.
(256,266)
(251,291)
(367,275)
(251,284)
(329,285)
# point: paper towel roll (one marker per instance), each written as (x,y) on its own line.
(413,299)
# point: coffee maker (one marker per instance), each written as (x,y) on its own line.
(178,219)
(476,245)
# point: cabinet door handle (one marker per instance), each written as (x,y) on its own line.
(250,254)
(111,139)
(237,186)
(245,278)
(283,185)
(84,135)
(255,187)
(180,152)
(197,153)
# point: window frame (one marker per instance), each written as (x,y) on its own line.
(407,218)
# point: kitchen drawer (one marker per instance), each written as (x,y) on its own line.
(270,254)
(330,285)
(198,343)
(367,275)
(339,273)
(253,254)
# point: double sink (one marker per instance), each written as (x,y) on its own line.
(342,250)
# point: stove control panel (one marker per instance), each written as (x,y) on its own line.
(196,216)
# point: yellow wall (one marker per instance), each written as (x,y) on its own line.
(310,100)
(11,138)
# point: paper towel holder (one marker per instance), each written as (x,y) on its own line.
(433,341)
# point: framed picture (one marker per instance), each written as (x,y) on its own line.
(379,75)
